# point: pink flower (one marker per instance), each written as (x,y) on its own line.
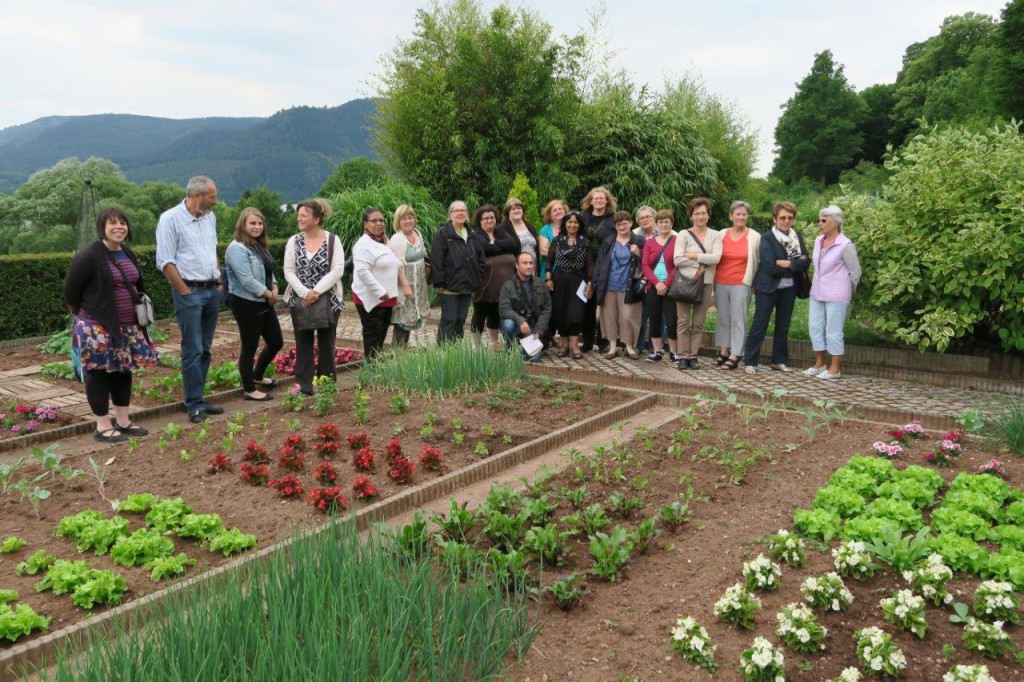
(32,426)
(16,428)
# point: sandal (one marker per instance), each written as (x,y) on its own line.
(730,363)
(577,354)
(720,359)
(109,437)
(564,353)
(132,429)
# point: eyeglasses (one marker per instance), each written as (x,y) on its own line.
(376,221)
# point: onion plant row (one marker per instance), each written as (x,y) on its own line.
(330,606)
(440,370)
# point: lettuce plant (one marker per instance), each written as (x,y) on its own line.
(881,470)
(960,522)
(819,524)
(976,503)
(959,553)
(842,501)
(19,621)
(141,547)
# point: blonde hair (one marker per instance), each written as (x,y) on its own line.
(588,201)
(242,236)
(401,212)
(546,211)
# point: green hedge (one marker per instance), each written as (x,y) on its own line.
(34,286)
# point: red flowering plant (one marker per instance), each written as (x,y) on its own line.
(325,473)
(292,454)
(364,488)
(287,487)
(430,458)
(254,452)
(255,474)
(945,451)
(328,431)
(394,449)
(401,470)
(358,440)
(363,458)
(219,462)
(328,500)
(330,440)
(285,360)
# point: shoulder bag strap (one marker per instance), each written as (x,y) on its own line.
(136,299)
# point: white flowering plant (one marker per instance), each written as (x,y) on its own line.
(738,605)
(996,600)
(877,653)
(787,547)
(987,639)
(850,674)
(692,642)
(763,662)
(930,580)
(827,592)
(905,610)
(800,630)
(853,560)
(761,574)
(968,673)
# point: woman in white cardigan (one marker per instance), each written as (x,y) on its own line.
(408,246)
(376,277)
(734,276)
(697,247)
(314,261)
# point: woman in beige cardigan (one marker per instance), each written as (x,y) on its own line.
(407,244)
(697,247)
(733,278)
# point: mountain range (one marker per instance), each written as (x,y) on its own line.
(292,152)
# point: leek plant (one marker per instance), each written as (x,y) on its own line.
(442,370)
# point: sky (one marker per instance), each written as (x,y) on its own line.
(186,59)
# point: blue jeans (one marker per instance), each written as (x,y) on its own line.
(826,320)
(512,333)
(197,321)
(781,302)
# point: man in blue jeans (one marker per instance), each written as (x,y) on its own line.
(524,306)
(186,252)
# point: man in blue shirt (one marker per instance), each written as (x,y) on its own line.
(186,252)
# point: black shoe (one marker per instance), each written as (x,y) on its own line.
(214,409)
(133,430)
(694,364)
(586,348)
(683,364)
(266,383)
(109,436)
(197,416)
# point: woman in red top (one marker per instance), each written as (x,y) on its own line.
(658,268)
(733,277)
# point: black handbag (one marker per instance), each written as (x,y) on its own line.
(688,289)
(319,315)
(638,283)
(803,285)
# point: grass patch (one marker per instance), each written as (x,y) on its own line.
(440,370)
(1009,429)
(327,607)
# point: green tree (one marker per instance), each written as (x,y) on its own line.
(346,219)
(353,174)
(876,127)
(817,135)
(269,203)
(1008,66)
(471,99)
(52,196)
(53,239)
(531,203)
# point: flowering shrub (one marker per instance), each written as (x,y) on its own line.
(285,360)
(328,500)
(784,546)
(254,452)
(357,440)
(877,653)
(944,453)
(930,580)
(850,674)
(24,418)
(292,454)
(800,630)
(827,592)
(287,487)
(364,488)
(988,639)
(762,574)
(738,605)
(762,662)
(890,450)
(905,610)
(401,470)
(294,400)
(692,642)
(995,600)
(329,440)
(430,458)
(363,458)
(853,560)
(968,673)
(325,473)
(993,467)
(394,449)
(219,462)
(255,474)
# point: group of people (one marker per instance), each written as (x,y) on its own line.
(587,275)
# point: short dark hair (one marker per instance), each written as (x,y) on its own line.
(319,208)
(483,210)
(696,203)
(665,214)
(370,211)
(111,213)
(620,216)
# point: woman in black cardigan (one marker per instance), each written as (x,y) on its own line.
(98,290)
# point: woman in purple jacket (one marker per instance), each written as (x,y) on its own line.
(836,274)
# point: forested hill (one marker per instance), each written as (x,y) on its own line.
(292,152)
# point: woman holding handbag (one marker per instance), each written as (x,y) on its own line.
(658,254)
(698,251)
(615,286)
(408,246)
(733,277)
(314,261)
(102,286)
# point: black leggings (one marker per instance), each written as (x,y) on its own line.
(658,307)
(103,388)
(484,313)
(255,319)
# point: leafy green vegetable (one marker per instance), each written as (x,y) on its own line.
(991,487)
(101,587)
(930,478)
(91,531)
(64,576)
(842,501)
(959,553)
(165,515)
(139,503)
(1007,565)
(1015,513)
(899,511)
(12,544)
(72,526)
(914,492)
(861,483)
(881,470)
(960,522)
(20,621)
(232,541)
(202,527)
(820,524)
(142,546)
(866,528)
(8,595)
(34,563)
(1008,536)
(170,566)
(976,503)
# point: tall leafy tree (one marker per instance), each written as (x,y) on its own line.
(1008,71)
(354,173)
(876,126)
(818,134)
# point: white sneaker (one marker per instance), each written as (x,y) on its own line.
(815,371)
(829,375)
